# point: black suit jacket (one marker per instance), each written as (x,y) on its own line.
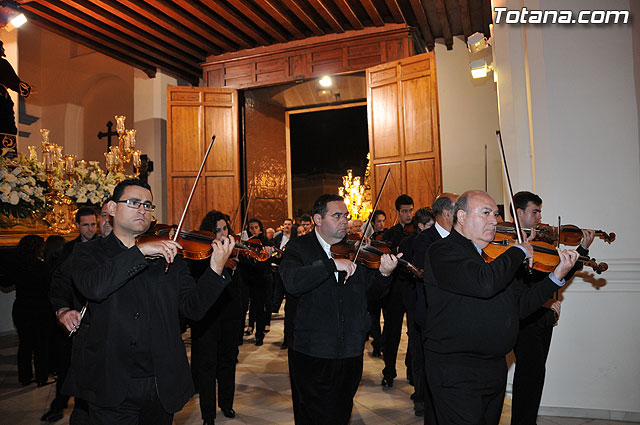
(475,306)
(111,276)
(331,318)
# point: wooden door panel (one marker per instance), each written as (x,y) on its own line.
(194,115)
(403,95)
(392,190)
(185,135)
(181,190)
(220,194)
(218,121)
(417,115)
(420,177)
(384,121)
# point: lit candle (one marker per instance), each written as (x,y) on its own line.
(126,147)
(69,163)
(33,155)
(120,124)
(135,158)
(57,152)
(109,160)
(60,166)
(47,160)
(82,163)
(132,138)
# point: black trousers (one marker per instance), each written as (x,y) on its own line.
(393,310)
(466,391)
(531,350)
(325,388)
(374,307)
(140,406)
(34,328)
(417,356)
(258,309)
(213,359)
(278,293)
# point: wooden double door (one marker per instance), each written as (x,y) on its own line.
(402,110)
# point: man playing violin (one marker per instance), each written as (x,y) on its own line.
(474,311)
(534,339)
(392,306)
(376,229)
(331,320)
(130,363)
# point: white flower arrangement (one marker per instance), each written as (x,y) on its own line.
(23,184)
(91,185)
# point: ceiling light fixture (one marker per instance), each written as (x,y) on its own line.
(325,81)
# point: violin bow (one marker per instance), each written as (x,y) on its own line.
(375,207)
(193,190)
(235,213)
(246,212)
(506,176)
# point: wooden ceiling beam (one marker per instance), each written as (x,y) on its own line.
(465,17)
(234,19)
(423,23)
(177,31)
(178,15)
(243,7)
(111,24)
(303,16)
(396,12)
(76,16)
(99,38)
(273,11)
(45,23)
(326,15)
(147,26)
(210,20)
(444,21)
(348,13)
(373,13)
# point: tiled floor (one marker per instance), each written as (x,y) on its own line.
(263,394)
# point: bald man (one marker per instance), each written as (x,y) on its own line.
(474,311)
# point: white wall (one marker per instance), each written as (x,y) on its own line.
(584,161)
(468,122)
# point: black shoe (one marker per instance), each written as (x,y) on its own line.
(284,345)
(47,382)
(418,408)
(52,415)
(267,329)
(210,421)
(376,353)
(259,341)
(229,413)
(387,382)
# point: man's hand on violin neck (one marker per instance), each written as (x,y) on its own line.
(160,248)
(527,246)
(221,251)
(388,263)
(587,238)
(344,265)
(568,258)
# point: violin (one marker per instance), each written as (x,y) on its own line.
(369,255)
(570,235)
(409,229)
(196,244)
(545,256)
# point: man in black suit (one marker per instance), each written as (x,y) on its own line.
(474,311)
(280,241)
(67,303)
(392,306)
(534,338)
(377,229)
(332,319)
(130,363)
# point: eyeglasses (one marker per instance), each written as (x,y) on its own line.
(338,216)
(136,203)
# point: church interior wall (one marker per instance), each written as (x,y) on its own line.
(468,122)
(580,153)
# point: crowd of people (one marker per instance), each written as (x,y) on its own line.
(126,303)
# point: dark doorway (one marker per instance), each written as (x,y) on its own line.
(324,145)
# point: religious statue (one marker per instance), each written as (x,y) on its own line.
(9,80)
